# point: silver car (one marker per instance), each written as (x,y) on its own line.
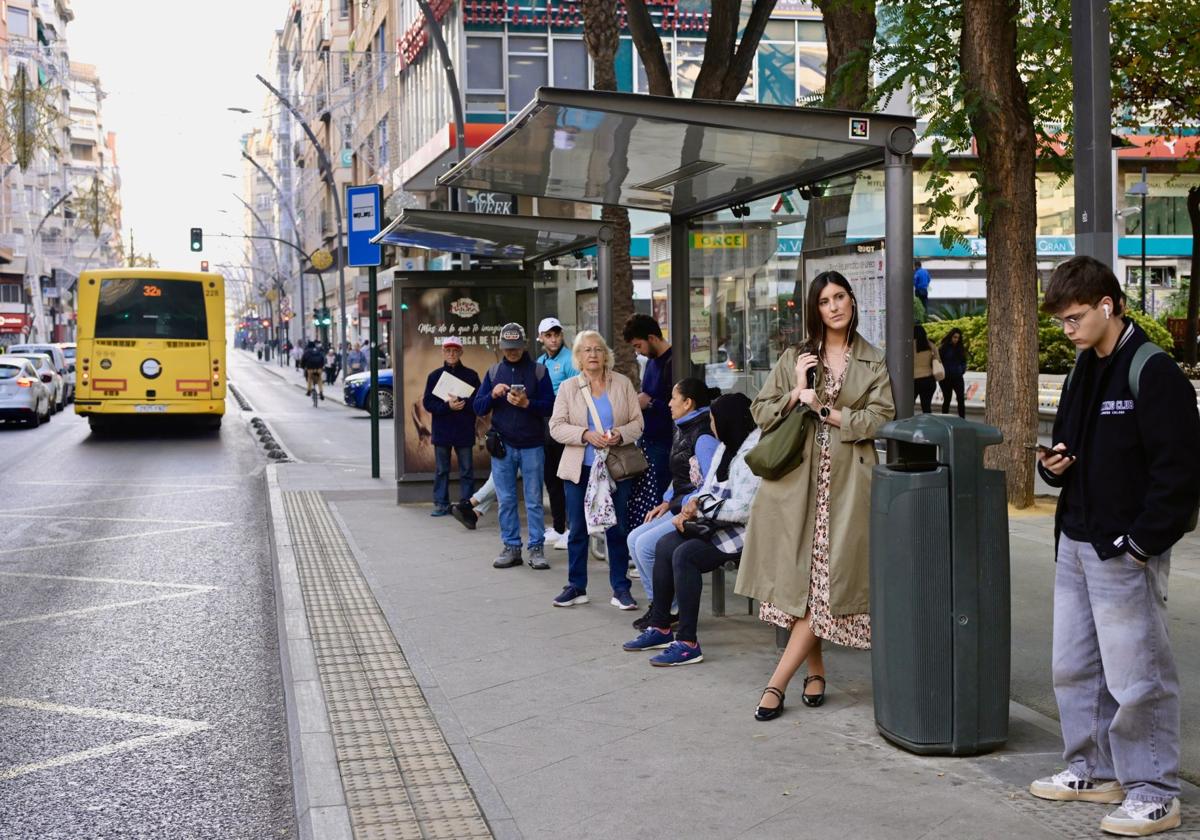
(23,395)
(44,365)
(68,348)
(58,359)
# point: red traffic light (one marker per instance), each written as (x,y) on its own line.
(204,265)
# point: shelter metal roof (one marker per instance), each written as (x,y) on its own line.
(679,156)
(524,239)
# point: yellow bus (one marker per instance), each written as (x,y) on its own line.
(150,343)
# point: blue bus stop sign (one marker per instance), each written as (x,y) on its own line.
(364,206)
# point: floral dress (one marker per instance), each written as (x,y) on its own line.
(849,630)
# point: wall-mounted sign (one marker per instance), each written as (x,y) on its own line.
(495,203)
(706,241)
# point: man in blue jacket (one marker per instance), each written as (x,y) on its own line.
(453,428)
(558,361)
(517,392)
(1127,460)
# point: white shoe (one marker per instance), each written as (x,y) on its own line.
(1068,785)
(1136,818)
(561,545)
(552,535)
(634,573)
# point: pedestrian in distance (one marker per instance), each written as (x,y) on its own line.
(312,361)
(806,550)
(1126,457)
(332,362)
(558,362)
(356,360)
(516,392)
(598,393)
(692,448)
(682,556)
(645,334)
(921,282)
(453,428)
(953,353)
(297,355)
(924,355)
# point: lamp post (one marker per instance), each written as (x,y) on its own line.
(278,284)
(287,205)
(1142,189)
(327,173)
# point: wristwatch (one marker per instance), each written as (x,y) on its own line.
(823,413)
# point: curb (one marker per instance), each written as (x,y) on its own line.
(315,775)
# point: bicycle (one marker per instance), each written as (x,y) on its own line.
(312,377)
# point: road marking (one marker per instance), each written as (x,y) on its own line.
(173,728)
(101,539)
(156,482)
(72,517)
(187,589)
(122,498)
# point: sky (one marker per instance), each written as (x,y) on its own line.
(170,71)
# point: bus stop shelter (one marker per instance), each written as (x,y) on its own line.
(691,158)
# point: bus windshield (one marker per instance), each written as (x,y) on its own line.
(146,308)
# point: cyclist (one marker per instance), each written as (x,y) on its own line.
(313,362)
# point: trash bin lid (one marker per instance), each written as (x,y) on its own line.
(939,430)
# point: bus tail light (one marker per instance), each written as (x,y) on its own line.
(216,381)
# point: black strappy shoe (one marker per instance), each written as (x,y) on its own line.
(770,714)
(814,700)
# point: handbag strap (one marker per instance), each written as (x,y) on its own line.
(587,395)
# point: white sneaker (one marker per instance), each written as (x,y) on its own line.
(1136,818)
(1068,785)
(561,545)
(552,535)
(633,572)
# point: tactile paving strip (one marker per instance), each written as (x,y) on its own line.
(400,778)
(1080,820)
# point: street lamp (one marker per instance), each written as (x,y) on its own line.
(287,205)
(1142,189)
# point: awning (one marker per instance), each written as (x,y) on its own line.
(524,239)
(684,157)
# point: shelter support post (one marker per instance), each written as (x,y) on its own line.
(604,294)
(1093,129)
(681,358)
(898,268)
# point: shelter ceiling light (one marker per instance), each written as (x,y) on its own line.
(683,173)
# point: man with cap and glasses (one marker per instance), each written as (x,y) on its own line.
(517,392)
(453,427)
(558,362)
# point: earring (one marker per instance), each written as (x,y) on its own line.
(1107,312)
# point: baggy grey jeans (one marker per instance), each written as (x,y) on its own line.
(1114,673)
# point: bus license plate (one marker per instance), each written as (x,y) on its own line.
(150,409)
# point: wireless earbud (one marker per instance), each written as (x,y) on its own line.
(1107,312)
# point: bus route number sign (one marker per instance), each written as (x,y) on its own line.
(151,291)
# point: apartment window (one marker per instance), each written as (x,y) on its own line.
(381,132)
(10,293)
(527,69)
(347,132)
(343,8)
(381,52)
(485,74)
(346,73)
(643,84)
(18,22)
(689,55)
(570,64)
(83,151)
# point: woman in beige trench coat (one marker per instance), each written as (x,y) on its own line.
(806,552)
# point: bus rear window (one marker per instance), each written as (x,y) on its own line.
(147,308)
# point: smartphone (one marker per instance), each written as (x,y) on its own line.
(518,389)
(1049,450)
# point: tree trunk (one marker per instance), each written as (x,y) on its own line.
(601,33)
(1193,307)
(849,32)
(998,109)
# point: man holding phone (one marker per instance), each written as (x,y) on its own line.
(1127,459)
(517,392)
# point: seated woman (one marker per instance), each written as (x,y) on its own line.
(680,560)
(691,452)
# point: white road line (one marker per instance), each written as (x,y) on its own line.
(68,517)
(173,728)
(97,501)
(153,482)
(187,589)
(101,539)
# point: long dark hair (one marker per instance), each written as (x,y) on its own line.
(696,390)
(813,325)
(921,339)
(734,422)
(947,339)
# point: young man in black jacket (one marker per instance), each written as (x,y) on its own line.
(1129,472)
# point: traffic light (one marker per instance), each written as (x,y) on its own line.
(197,239)
(204,265)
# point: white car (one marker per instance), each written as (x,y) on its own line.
(23,395)
(68,348)
(44,365)
(58,360)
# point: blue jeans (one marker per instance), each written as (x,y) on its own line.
(642,541)
(529,462)
(614,538)
(441,478)
(1114,674)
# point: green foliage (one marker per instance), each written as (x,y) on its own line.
(1176,306)
(1056,353)
(954,311)
(918,311)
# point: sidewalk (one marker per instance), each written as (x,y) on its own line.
(559,733)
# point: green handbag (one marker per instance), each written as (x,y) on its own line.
(781,450)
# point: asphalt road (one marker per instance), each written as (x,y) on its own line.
(140,692)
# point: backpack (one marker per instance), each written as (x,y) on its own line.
(1140,356)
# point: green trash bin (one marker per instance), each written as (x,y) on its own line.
(940,610)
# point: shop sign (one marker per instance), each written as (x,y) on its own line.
(495,203)
(710,241)
(12,323)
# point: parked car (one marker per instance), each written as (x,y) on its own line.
(68,348)
(57,356)
(23,395)
(44,366)
(356,390)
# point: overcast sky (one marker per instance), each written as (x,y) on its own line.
(170,71)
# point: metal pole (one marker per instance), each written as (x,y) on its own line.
(295,229)
(1090,67)
(604,298)
(1143,214)
(680,304)
(898,267)
(372,297)
(341,261)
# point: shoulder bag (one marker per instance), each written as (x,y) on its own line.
(939,370)
(624,461)
(781,450)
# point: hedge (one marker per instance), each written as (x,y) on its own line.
(1056,353)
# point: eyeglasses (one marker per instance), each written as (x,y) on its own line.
(591,350)
(1072,321)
